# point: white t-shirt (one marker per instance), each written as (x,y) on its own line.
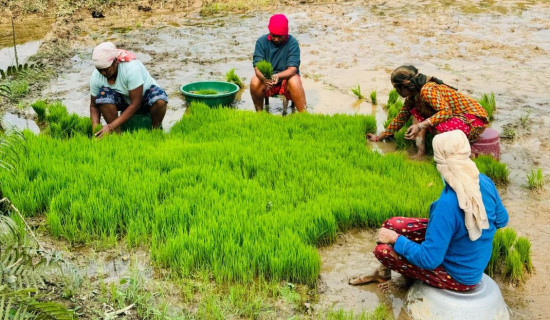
(130,76)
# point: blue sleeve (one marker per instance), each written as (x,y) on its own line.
(259,53)
(431,252)
(293,58)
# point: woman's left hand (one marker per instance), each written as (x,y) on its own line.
(387,236)
(412,132)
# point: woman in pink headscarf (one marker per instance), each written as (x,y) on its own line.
(283,52)
(121,83)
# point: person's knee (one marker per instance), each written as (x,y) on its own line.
(382,251)
(256,86)
(391,222)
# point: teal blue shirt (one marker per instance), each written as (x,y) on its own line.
(447,242)
(130,75)
(281,57)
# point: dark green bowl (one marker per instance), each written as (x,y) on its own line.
(224,97)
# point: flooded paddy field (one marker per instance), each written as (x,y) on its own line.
(482,47)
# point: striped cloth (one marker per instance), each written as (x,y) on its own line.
(440,103)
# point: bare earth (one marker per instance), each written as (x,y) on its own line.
(501,47)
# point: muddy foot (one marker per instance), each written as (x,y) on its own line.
(394,286)
(358,281)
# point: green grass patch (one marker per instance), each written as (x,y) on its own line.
(380,313)
(219,192)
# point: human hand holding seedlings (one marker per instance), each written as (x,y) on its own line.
(105,130)
(373,137)
(387,236)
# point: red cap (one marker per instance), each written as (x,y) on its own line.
(278,25)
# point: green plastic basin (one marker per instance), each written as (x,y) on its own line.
(224,97)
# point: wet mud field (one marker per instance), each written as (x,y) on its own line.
(500,47)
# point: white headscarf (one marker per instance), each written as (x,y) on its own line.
(452,155)
(106,52)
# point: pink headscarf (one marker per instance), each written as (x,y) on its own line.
(106,52)
(278,25)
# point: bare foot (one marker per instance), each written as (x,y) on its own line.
(420,155)
(393,286)
(381,275)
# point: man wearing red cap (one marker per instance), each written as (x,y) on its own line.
(283,52)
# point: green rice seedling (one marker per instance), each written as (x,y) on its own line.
(508,133)
(373,96)
(513,270)
(231,76)
(535,179)
(507,238)
(205,92)
(97,128)
(393,97)
(497,171)
(18,89)
(206,197)
(265,68)
(495,262)
(524,117)
(40,108)
(523,248)
(357,92)
(487,101)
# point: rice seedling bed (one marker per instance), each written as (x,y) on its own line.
(241,194)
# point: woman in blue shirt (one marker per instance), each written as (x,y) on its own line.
(451,249)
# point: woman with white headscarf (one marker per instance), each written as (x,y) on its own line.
(451,249)
(121,83)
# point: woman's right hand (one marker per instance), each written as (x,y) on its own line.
(373,137)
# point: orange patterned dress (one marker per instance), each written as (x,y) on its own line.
(446,109)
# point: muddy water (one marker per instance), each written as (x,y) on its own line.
(28,33)
(479,48)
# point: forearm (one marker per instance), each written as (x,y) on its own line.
(287,74)
(95,115)
(259,74)
(125,115)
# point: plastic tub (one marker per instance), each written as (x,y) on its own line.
(485,302)
(224,97)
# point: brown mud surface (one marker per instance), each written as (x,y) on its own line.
(479,47)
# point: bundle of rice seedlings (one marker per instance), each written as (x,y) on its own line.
(232,77)
(205,92)
(265,68)
(40,108)
(487,101)
(513,269)
(497,171)
(523,247)
(357,92)
(373,96)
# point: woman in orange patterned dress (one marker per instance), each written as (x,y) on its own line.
(435,106)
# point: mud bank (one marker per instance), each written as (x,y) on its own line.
(479,48)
